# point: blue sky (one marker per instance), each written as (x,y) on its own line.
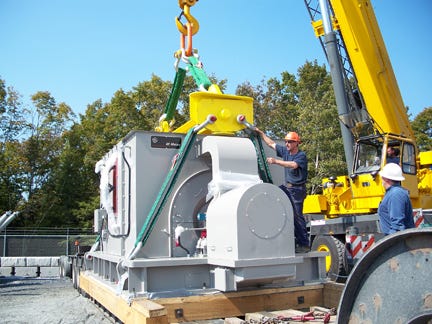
(81,51)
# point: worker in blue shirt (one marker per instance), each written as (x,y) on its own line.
(294,161)
(395,210)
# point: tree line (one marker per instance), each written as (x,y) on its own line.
(48,154)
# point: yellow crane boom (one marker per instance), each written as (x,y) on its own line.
(371,63)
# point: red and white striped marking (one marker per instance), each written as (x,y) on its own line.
(358,245)
(418,217)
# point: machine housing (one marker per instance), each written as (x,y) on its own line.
(221,228)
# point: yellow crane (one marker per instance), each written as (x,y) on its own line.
(373,119)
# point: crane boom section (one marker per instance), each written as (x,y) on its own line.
(371,64)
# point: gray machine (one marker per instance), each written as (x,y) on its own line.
(218,227)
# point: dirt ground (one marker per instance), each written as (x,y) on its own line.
(25,298)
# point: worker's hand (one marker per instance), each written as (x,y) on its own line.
(271,160)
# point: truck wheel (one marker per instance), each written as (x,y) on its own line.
(65,267)
(336,264)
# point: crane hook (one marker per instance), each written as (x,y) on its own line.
(190,20)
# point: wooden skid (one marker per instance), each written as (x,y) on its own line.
(332,294)
(145,311)
(239,303)
(198,308)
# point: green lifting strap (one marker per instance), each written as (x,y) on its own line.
(263,168)
(166,188)
(171,104)
(198,73)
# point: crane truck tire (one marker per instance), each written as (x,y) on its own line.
(392,282)
(336,263)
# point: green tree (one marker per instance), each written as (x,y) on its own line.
(90,129)
(12,114)
(422,127)
(12,126)
(10,180)
(261,112)
(39,156)
(275,103)
(319,124)
(68,184)
(122,117)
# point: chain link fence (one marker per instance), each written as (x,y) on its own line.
(17,242)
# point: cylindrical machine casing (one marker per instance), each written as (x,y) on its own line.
(250,222)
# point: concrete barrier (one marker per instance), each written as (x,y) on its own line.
(37,262)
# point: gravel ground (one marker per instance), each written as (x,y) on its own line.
(25,298)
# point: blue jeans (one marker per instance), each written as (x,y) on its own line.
(297,196)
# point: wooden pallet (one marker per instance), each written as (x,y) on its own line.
(210,307)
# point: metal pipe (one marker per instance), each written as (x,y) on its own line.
(4,216)
(8,220)
(209,120)
(325,14)
(4,242)
(336,71)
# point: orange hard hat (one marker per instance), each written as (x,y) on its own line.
(292,136)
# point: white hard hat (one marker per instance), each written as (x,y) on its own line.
(392,171)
